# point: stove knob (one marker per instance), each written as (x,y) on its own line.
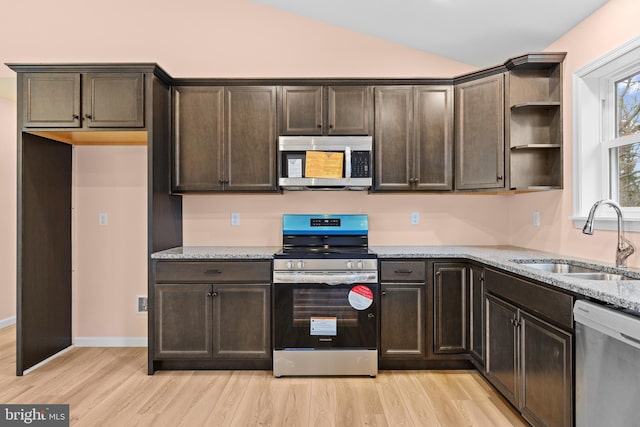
(360,265)
(349,264)
(300,265)
(290,265)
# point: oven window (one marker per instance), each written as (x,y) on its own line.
(308,303)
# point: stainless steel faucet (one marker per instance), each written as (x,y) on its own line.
(625,247)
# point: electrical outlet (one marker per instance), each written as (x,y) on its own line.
(143,306)
(536,218)
(103,218)
(415,218)
(235,218)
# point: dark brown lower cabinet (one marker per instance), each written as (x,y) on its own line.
(402,310)
(476,314)
(183,317)
(212,321)
(451,308)
(528,359)
(212,314)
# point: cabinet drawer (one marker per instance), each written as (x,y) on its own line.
(213,271)
(402,271)
(551,304)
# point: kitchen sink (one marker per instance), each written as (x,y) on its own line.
(559,267)
(569,269)
(598,276)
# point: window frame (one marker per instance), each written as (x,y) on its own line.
(594,130)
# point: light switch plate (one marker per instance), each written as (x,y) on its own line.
(415,218)
(103,218)
(536,218)
(235,218)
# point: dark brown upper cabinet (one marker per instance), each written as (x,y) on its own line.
(83,100)
(224,138)
(326,110)
(479,120)
(198,113)
(413,138)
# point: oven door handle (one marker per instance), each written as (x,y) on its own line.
(331,279)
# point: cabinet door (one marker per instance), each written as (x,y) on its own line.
(393,137)
(349,110)
(250,138)
(51,100)
(450,334)
(476,316)
(433,127)
(241,324)
(402,321)
(501,363)
(183,321)
(480,133)
(113,100)
(197,138)
(546,354)
(302,110)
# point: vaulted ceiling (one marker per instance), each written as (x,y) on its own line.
(475,32)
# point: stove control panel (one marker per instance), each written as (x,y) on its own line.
(325,265)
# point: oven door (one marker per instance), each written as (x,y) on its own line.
(320,315)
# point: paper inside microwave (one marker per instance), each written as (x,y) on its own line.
(323,164)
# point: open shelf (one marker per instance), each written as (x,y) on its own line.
(536,104)
(535,146)
(535,127)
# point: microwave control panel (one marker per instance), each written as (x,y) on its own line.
(360,164)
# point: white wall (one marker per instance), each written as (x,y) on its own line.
(8,178)
(609,27)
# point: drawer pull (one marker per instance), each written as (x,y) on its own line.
(212,272)
(403,271)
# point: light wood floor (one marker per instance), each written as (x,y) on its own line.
(110,387)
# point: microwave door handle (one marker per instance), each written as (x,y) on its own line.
(347,165)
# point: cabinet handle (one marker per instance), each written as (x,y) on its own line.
(212,294)
(499,177)
(403,271)
(75,117)
(319,126)
(212,272)
(384,293)
(330,126)
(88,116)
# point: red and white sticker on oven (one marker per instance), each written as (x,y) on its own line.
(360,297)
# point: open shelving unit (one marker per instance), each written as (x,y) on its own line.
(534,122)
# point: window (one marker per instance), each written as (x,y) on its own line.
(624,151)
(606,104)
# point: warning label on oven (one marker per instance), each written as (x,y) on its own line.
(360,297)
(324,326)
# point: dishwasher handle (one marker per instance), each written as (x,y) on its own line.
(614,323)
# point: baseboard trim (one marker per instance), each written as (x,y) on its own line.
(47,360)
(7,322)
(110,342)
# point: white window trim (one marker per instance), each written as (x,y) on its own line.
(590,155)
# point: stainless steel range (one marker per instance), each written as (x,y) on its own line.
(325,295)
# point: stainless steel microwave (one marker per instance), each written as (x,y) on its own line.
(325,162)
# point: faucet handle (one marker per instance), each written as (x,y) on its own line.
(625,250)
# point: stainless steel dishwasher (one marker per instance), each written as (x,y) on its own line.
(607,366)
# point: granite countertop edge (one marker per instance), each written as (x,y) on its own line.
(622,293)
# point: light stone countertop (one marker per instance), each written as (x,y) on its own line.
(186,253)
(621,293)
